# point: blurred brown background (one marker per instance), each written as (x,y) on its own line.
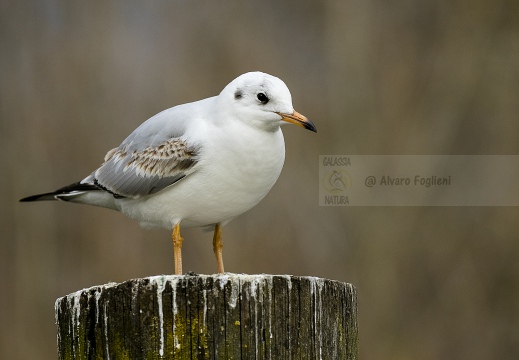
(376,77)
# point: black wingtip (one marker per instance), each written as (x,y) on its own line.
(64,190)
(39,197)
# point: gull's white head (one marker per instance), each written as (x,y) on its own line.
(263,101)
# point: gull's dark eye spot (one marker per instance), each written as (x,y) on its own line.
(262,98)
(238,94)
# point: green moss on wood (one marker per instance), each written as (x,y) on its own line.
(204,317)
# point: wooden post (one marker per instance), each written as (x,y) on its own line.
(226,316)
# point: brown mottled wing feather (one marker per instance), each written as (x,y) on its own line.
(132,172)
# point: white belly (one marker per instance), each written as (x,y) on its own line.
(229,181)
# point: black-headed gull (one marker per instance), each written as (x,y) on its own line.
(196,164)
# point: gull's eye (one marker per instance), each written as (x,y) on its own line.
(262,98)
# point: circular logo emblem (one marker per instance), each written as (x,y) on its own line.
(336,181)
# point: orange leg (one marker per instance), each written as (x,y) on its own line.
(218,247)
(177,249)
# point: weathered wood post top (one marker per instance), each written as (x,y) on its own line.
(226,316)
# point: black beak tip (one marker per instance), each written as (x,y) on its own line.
(310,126)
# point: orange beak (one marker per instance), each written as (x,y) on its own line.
(299,120)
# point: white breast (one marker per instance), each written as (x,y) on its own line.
(234,174)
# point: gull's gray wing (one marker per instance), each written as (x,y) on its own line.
(154,156)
